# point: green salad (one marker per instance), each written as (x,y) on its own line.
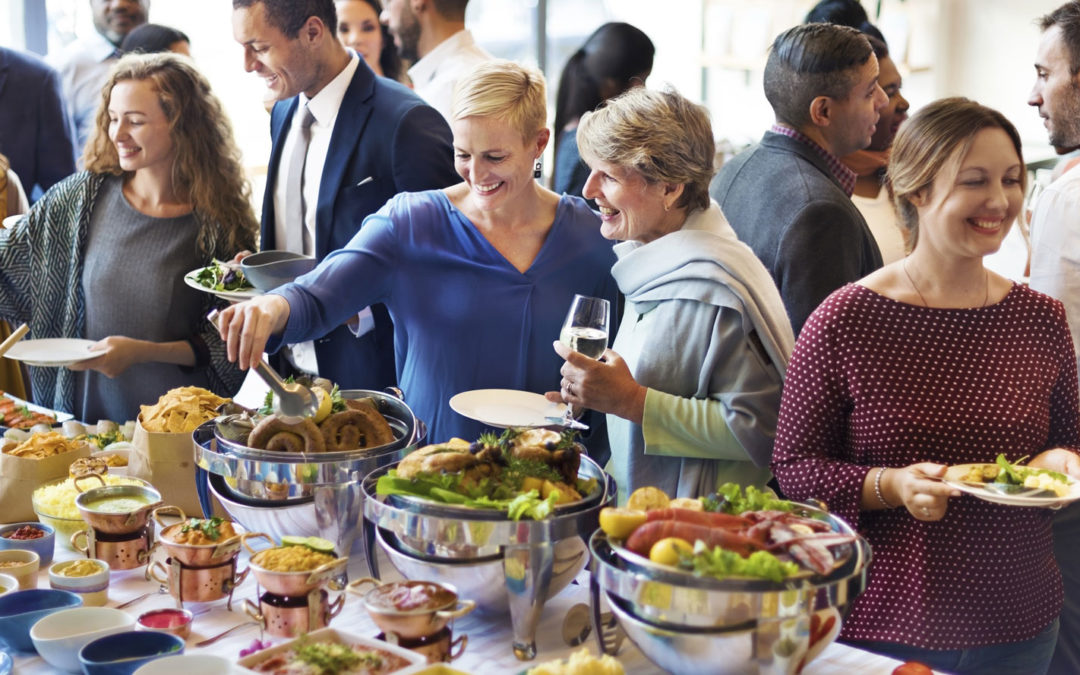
(223,276)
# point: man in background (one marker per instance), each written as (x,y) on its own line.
(84,64)
(432,35)
(1055,264)
(344,142)
(35,131)
(789,197)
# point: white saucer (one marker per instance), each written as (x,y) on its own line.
(52,352)
(502,408)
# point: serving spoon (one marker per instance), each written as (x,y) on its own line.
(291,399)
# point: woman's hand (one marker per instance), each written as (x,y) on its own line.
(604,384)
(924,498)
(118,353)
(247,326)
(1058,459)
(240,256)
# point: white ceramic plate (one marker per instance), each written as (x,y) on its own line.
(51,352)
(954,473)
(231,296)
(504,408)
(333,635)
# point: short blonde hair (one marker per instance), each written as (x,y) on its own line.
(934,142)
(660,134)
(509,91)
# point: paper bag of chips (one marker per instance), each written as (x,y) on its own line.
(164,451)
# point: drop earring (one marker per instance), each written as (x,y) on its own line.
(537,170)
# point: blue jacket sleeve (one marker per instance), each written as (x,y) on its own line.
(423,151)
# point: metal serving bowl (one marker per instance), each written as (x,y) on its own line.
(490,559)
(112,522)
(745,625)
(300,494)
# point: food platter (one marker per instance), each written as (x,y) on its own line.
(504,408)
(60,417)
(231,296)
(954,479)
(52,352)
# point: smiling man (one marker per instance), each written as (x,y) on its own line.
(84,64)
(789,197)
(1055,264)
(344,142)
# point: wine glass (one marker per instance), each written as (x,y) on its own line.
(586,327)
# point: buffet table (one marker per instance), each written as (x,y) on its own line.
(488,649)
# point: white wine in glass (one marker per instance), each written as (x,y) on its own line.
(586,327)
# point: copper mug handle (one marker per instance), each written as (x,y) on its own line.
(460,643)
(151,568)
(354,585)
(168,509)
(463,608)
(84,549)
(335,607)
(255,535)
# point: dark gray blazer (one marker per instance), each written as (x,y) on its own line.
(786,205)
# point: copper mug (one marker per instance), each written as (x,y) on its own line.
(196,584)
(438,648)
(125,553)
(293,616)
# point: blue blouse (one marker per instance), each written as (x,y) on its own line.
(464,317)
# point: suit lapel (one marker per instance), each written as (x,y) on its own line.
(801,149)
(351,119)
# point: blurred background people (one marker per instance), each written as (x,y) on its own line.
(102,255)
(1055,268)
(151,38)
(478,277)
(84,64)
(934,361)
(869,164)
(431,35)
(344,142)
(789,197)
(360,30)
(36,134)
(692,383)
(614,58)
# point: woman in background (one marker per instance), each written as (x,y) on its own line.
(360,30)
(692,383)
(933,361)
(614,58)
(152,38)
(102,255)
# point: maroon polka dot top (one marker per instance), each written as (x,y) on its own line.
(876,382)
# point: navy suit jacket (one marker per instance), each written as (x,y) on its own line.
(35,131)
(386,133)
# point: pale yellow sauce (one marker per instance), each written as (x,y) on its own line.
(81,568)
(117,504)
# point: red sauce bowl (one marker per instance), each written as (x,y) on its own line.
(167,620)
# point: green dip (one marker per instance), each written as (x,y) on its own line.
(117,504)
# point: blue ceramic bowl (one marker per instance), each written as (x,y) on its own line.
(269,269)
(22,609)
(43,546)
(123,653)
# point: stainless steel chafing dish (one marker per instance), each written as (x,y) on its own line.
(692,625)
(499,563)
(298,493)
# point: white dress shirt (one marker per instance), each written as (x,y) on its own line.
(1055,246)
(435,75)
(324,107)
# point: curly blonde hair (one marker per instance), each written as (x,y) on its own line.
(207,166)
(660,134)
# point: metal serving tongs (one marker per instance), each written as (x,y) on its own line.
(291,399)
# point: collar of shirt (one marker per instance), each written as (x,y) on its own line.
(324,105)
(845,176)
(423,71)
(97,46)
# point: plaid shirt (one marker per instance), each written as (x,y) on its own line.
(844,175)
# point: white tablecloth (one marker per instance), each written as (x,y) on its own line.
(488,649)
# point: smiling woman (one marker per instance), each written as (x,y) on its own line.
(163,193)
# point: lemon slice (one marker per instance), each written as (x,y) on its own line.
(325,404)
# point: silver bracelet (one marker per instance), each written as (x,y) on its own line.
(877,489)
